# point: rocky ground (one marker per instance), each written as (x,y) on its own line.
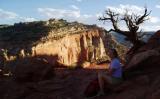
(71,83)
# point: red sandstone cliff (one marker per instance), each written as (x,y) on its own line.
(72,49)
(72,43)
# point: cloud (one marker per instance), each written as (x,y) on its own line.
(79,0)
(157,6)
(151,27)
(99,15)
(68,14)
(86,16)
(74,7)
(27,19)
(7,14)
(123,8)
(59,13)
(153,19)
(63,13)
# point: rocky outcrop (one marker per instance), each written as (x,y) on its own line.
(155,39)
(32,70)
(153,42)
(140,57)
(75,49)
(150,49)
(73,43)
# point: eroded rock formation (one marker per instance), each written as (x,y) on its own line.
(76,48)
(147,52)
(72,43)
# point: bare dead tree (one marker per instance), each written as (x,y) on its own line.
(132,21)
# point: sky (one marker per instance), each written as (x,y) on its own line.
(84,11)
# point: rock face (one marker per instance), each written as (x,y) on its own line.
(140,57)
(72,43)
(150,50)
(75,49)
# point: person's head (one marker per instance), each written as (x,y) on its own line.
(113,53)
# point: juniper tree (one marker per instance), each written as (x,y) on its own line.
(132,21)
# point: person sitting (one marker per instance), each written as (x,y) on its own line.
(113,75)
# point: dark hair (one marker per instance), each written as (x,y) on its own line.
(114,53)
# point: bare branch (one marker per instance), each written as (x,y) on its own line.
(132,22)
(142,18)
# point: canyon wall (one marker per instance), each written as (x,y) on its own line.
(76,48)
(70,44)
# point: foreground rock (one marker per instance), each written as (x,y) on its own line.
(32,69)
(152,43)
(142,57)
(71,83)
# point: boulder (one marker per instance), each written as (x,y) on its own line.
(155,39)
(92,89)
(32,69)
(38,96)
(156,95)
(152,43)
(138,58)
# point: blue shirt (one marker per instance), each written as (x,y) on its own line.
(115,64)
